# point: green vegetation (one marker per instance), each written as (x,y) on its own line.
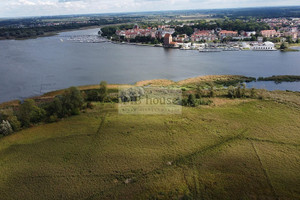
(33,32)
(234,25)
(280,79)
(217,149)
(31,113)
(235,149)
(284,47)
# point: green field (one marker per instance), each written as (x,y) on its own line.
(236,149)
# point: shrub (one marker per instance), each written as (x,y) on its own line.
(103,90)
(89,105)
(243,90)
(212,92)
(55,108)
(131,94)
(204,102)
(184,102)
(14,122)
(253,93)
(92,95)
(191,100)
(5,128)
(231,92)
(72,101)
(53,118)
(30,113)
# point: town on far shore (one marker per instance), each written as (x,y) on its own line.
(268,34)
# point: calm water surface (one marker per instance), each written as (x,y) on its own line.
(32,67)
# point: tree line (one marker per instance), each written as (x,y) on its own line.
(29,113)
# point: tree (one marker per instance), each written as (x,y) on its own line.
(252,93)
(5,128)
(284,46)
(92,95)
(14,122)
(289,39)
(72,101)
(30,113)
(231,92)
(55,108)
(212,92)
(191,100)
(103,90)
(243,90)
(238,91)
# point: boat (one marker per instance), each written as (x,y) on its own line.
(231,49)
(210,50)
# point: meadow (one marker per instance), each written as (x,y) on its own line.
(232,149)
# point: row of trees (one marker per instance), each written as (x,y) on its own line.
(233,25)
(65,105)
(30,113)
(196,99)
(28,32)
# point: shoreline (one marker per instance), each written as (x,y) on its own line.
(217,80)
(52,33)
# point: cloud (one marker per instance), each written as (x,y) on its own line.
(62,1)
(15,8)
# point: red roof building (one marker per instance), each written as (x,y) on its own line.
(269,33)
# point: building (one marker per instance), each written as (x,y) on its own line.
(266,46)
(225,33)
(293,35)
(250,33)
(168,41)
(136,31)
(204,35)
(182,38)
(269,33)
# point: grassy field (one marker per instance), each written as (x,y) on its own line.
(234,149)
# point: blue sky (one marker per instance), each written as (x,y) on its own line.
(17,8)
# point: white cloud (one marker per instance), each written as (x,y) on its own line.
(15,8)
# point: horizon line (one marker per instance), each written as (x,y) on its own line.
(140,12)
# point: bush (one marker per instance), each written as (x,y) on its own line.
(14,122)
(131,94)
(191,100)
(92,95)
(55,108)
(89,105)
(30,113)
(204,102)
(212,92)
(5,128)
(231,92)
(184,102)
(72,101)
(253,93)
(103,91)
(53,118)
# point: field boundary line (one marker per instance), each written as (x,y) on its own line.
(264,171)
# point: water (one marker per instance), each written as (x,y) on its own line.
(32,67)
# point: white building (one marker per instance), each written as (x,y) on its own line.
(266,46)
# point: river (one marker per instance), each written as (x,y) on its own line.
(35,66)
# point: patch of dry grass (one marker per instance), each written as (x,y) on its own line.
(155,82)
(210,78)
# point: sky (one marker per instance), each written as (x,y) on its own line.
(24,8)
